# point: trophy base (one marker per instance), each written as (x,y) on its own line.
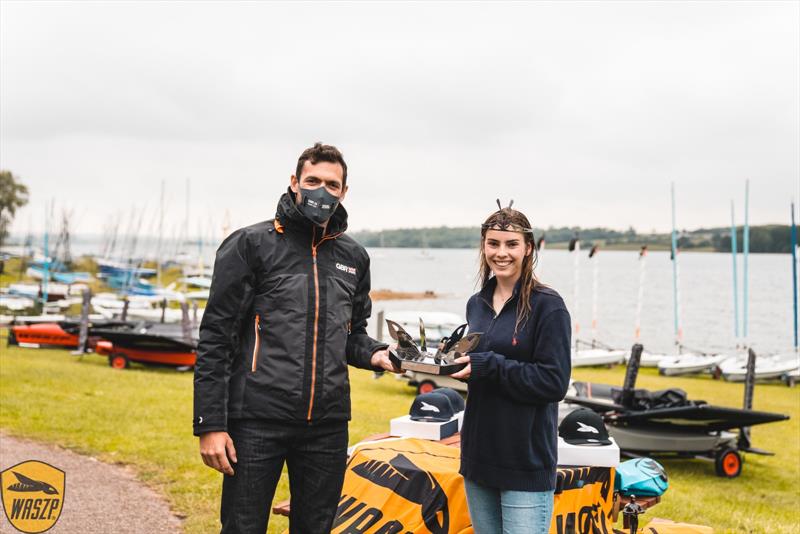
(432,368)
(425,365)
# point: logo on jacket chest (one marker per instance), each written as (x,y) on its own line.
(346,268)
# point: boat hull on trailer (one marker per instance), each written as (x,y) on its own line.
(56,331)
(643,440)
(596,357)
(768,367)
(649,359)
(686,364)
(42,334)
(155,344)
(159,357)
(685,428)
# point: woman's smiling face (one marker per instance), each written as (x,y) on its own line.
(504,252)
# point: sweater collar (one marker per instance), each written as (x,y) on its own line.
(487,291)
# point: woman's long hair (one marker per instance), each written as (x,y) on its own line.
(512,220)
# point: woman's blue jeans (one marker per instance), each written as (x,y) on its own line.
(496,511)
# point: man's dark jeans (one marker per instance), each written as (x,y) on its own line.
(316,456)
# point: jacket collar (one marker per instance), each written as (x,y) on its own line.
(291,217)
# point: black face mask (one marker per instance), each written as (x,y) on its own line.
(317,205)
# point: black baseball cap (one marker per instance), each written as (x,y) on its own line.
(584,427)
(456,400)
(432,407)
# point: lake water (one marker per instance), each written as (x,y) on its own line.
(705,286)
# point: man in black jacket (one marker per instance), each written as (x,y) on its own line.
(287,313)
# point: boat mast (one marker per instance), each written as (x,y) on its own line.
(746,253)
(675,300)
(160,235)
(595,267)
(794,276)
(200,250)
(540,244)
(640,297)
(226,225)
(46,273)
(185,244)
(734,250)
(575,248)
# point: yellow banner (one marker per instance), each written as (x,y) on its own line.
(585,501)
(413,486)
(403,486)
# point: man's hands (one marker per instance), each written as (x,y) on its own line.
(216,448)
(465,373)
(380,359)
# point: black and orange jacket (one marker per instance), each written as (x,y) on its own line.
(287,313)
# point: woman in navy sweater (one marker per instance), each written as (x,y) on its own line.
(516,376)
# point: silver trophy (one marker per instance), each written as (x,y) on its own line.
(410,357)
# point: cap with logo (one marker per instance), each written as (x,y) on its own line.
(432,407)
(584,427)
(456,400)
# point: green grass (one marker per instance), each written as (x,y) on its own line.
(142,417)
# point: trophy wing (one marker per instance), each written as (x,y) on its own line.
(454,338)
(467,343)
(406,348)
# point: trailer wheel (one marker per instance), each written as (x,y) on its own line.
(118,361)
(426,386)
(728,463)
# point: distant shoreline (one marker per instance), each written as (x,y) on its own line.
(762,239)
(614,248)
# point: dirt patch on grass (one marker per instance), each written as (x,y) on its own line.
(388,294)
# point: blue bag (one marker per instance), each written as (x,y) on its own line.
(643,477)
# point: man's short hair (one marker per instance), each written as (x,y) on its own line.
(320,152)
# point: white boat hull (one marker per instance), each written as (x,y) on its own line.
(171,315)
(648,359)
(767,367)
(593,357)
(689,363)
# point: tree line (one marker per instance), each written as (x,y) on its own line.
(774,238)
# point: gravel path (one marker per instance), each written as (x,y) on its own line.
(99,498)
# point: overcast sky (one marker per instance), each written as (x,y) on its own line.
(581,112)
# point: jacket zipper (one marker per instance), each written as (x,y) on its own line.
(495,314)
(257,328)
(316,316)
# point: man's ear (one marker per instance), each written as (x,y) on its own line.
(294,184)
(344,192)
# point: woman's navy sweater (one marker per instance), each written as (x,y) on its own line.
(509,436)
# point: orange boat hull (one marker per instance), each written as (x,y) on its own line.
(44,334)
(177,359)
